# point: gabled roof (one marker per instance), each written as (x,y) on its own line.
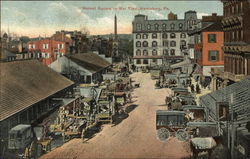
(24,83)
(89,61)
(240,94)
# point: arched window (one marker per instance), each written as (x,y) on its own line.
(164,27)
(172,52)
(172,35)
(138,44)
(164,35)
(181,26)
(156,27)
(154,44)
(149,27)
(154,36)
(154,52)
(183,42)
(172,26)
(138,52)
(145,52)
(183,35)
(138,36)
(172,43)
(145,44)
(145,36)
(165,52)
(165,43)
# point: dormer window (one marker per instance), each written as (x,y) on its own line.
(172,26)
(149,27)
(164,27)
(138,27)
(181,26)
(156,27)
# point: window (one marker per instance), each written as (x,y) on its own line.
(138,36)
(149,27)
(154,61)
(181,26)
(138,52)
(165,52)
(183,43)
(183,35)
(32,46)
(172,52)
(172,43)
(145,44)
(213,55)
(138,61)
(172,35)
(233,35)
(172,26)
(145,52)
(164,27)
(223,111)
(145,61)
(165,43)
(154,44)
(138,26)
(156,27)
(164,35)
(60,46)
(138,44)
(212,38)
(45,46)
(154,52)
(154,36)
(145,36)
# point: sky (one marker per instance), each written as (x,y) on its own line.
(34,18)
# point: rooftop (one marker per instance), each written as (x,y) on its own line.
(24,83)
(89,61)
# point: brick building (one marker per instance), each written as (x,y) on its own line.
(208,45)
(236,47)
(48,50)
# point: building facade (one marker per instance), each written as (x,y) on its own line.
(47,50)
(155,40)
(236,47)
(208,46)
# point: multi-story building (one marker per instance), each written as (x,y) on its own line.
(208,45)
(236,47)
(156,40)
(47,50)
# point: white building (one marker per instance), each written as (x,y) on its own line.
(155,40)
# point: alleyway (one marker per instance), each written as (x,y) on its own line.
(134,137)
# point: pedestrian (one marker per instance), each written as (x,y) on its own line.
(198,88)
(192,88)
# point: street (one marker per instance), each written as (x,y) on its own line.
(134,137)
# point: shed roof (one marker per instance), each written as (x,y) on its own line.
(24,83)
(89,61)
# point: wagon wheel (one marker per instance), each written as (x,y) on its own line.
(182,135)
(163,134)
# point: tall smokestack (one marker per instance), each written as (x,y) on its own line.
(115,28)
